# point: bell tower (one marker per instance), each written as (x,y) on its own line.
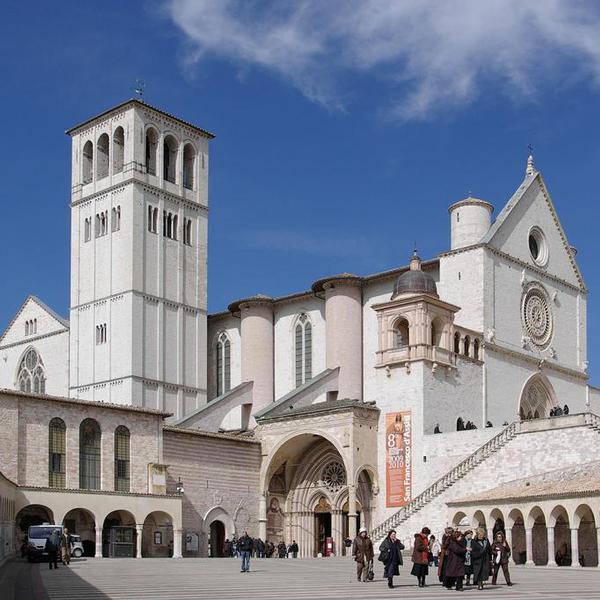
(139,216)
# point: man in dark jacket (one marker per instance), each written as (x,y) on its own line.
(52,548)
(293,549)
(260,548)
(245,549)
(362,551)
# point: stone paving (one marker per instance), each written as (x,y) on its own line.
(216,579)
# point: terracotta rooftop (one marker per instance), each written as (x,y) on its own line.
(580,480)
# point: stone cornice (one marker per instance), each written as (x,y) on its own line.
(210,434)
(320,409)
(416,299)
(31,488)
(547,364)
(148,186)
(155,382)
(173,303)
(34,338)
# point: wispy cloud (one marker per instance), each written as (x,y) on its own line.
(436,54)
(299,242)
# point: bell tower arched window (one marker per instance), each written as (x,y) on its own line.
(87,163)
(400,334)
(303,350)
(103,155)
(223,364)
(118,149)
(32,376)
(189,166)
(56,453)
(170,159)
(89,455)
(151,148)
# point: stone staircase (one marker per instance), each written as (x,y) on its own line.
(446,481)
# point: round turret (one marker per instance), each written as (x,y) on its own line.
(470,220)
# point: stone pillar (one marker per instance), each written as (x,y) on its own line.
(256,329)
(343,327)
(551,551)
(98,542)
(177,537)
(139,531)
(304,527)
(598,545)
(529,545)
(508,534)
(575,548)
(337,532)
(352,512)
(262,518)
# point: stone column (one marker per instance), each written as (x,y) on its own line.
(139,530)
(256,329)
(343,329)
(529,545)
(575,548)
(262,518)
(551,551)
(352,512)
(304,527)
(508,536)
(98,542)
(338,541)
(177,537)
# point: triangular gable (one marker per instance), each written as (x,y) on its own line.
(531,205)
(48,321)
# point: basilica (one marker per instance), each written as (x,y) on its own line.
(301,417)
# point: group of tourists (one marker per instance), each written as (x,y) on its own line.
(462,558)
(59,545)
(247,547)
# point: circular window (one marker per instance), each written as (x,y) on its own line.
(536,315)
(334,476)
(537,246)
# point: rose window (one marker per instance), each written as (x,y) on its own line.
(537,315)
(334,476)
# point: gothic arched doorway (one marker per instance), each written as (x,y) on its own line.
(217,538)
(537,399)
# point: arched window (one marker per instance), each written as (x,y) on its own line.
(87,236)
(89,455)
(457,343)
(116,218)
(87,162)
(187,231)
(189,164)
(56,453)
(303,350)
(170,158)
(31,376)
(175,227)
(103,155)
(122,459)
(118,150)
(467,345)
(400,333)
(223,364)
(151,148)
(436,333)
(476,349)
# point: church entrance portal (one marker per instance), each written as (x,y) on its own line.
(217,539)
(322,527)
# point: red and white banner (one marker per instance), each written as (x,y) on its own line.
(398,458)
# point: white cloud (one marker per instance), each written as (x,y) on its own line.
(435,54)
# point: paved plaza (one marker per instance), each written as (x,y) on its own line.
(215,579)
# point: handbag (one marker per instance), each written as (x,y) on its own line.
(370,572)
(383,555)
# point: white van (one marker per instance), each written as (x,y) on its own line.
(36,541)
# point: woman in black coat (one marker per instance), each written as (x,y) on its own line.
(455,569)
(390,554)
(481,558)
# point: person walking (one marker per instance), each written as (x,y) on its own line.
(245,550)
(500,556)
(281,549)
(390,554)
(293,549)
(65,546)
(260,548)
(270,549)
(434,549)
(455,569)
(443,557)
(52,548)
(481,558)
(420,556)
(468,566)
(362,551)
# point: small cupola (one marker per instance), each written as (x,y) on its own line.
(415,280)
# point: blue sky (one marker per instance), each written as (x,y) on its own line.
(344,129)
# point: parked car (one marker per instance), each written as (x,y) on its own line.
(76,546)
